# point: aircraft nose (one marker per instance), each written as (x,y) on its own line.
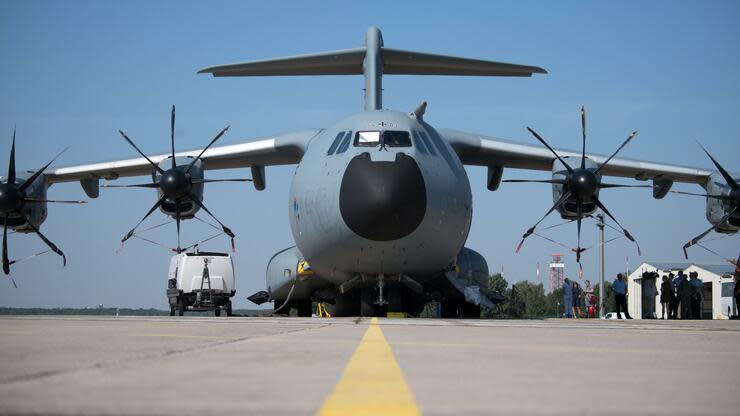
(382,201)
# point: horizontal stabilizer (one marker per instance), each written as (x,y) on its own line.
(344,62)
(394,61)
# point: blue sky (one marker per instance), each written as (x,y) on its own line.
(72,73)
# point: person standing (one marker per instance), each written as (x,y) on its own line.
(675,281)
(576,299)
(567,298)
(684,295)
(620,296)
(667,297)
(696,295)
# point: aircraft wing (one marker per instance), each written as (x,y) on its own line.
(283,149)
(474,149)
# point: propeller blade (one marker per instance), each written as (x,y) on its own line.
(53,201)
(138,185)
(567,166)
(177,220)
(218,136)
(51,245)
(6,261)
(579,218)
(11,161)
(624,230)
(530,231)
(172,136)
(630,137)
(556,181)
(583,130)
(723,197)
(140,152)
(702,235)
(154,207)
(38,173)
(220,180)
(730,180)
(617,185)
(226,229)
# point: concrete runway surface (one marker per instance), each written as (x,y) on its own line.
(287,366)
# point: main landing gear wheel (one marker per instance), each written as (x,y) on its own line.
(454,309)
(304,308)
(277,304)
(367,299)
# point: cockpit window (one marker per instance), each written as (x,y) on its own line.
(388,138)
(335,144)
(345,143)
(367,138)
(396,138)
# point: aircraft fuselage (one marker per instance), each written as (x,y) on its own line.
(379,192)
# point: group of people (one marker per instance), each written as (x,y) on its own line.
(681,296)
(575,298)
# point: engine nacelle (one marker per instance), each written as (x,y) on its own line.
(568,210)
(717,209)
(187,208)
(36,212)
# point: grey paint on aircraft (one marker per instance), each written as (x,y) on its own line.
(364,215)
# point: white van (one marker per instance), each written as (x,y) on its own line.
(188,287)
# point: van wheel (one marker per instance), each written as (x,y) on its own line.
(218,312)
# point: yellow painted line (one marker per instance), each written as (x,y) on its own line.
(372,382)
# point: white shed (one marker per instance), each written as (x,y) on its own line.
(718,302)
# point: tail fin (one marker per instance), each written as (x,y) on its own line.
(372,60)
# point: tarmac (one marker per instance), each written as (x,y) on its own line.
(304,366)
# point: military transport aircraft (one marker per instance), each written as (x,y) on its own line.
(380,204)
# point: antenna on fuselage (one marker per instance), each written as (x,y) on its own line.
(372,60)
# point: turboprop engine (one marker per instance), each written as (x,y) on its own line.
(179,182)
(23,205)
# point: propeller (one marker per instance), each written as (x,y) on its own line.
(581,184)
(14,199)
(733,199)
(175,184)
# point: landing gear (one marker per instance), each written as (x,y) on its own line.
(278,307)
(367,301)
(303,307)
(455,309)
